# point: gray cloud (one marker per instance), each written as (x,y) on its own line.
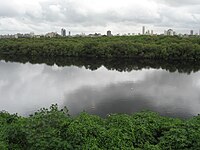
(93,15)
(180,3)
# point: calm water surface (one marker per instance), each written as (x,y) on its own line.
(25,88)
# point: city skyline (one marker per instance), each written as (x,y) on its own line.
(83,16)
(169,32)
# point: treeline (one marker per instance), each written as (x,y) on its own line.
(54,129)
(150,47)
(122,64)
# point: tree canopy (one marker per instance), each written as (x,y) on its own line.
(56,129)
(150,47)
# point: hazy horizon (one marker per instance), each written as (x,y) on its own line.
(90,16)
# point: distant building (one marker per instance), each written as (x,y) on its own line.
(191,32)
(32,34)
(143,30)
(37,36)
(63,32)
(69,33)
(170,32)
(19,35)
(27,36)
(109,33)
(52,34)
(148,32)
(15,36)
(181,35)
(151,32)
(95,35)
(174,33)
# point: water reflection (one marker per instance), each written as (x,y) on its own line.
(24,88)
(119,64)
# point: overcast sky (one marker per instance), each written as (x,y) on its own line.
(89,16)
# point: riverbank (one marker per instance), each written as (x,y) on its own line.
(55,129)
(148,47)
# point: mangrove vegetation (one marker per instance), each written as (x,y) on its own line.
(149,47)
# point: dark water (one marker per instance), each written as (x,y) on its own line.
(101,90)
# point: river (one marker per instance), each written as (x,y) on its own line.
(26,87)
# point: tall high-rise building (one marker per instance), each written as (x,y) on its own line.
(69,33)
(143,30)
(191,32)
(63,32)
(151,32)
(109,33)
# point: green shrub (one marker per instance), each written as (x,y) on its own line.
(54,129)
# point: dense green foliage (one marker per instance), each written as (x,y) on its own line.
(54,129)
(151,47)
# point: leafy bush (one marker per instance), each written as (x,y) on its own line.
(55,129)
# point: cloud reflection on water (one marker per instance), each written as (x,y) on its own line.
(24,88)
